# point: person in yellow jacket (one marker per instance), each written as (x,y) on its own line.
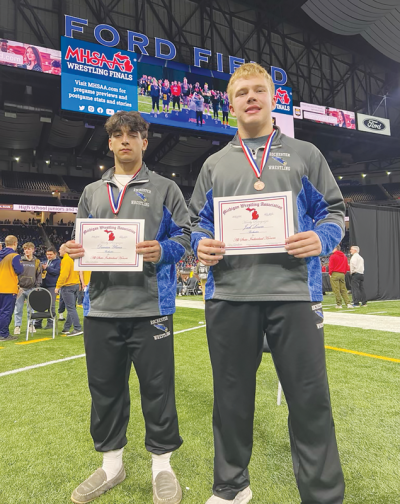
(68,285)
(10,268)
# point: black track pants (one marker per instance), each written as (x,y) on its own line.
(111,345)
(295,337)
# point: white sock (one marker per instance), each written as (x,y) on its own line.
(160,463)
(112,463)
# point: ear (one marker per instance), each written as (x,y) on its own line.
(232,110)
(144,145)
(273,103)
(109,144)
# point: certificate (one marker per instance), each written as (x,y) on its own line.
(256,224)
(110,244)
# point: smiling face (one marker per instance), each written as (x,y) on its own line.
(252,104)
(127,145)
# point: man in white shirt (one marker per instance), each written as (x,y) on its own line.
(357,277)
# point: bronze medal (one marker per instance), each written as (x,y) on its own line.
(259,185)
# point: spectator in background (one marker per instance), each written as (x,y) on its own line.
(55,67)
(29,279)
(338,266)
(10,267)
(199,104)
(176,91)
(155,96)
(185,92)
(166,95)
(225,109)
(68,284)
(357,277)
(50,274)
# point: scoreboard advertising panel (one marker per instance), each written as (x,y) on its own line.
(101,80)
(96,79)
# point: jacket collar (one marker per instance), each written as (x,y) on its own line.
(276,141)
(143,175)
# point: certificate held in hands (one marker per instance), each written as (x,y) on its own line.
(256,224)
(110,244)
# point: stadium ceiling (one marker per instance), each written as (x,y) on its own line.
(378,22)
(323,68)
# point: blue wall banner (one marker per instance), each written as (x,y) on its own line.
(97,79)
(284,100)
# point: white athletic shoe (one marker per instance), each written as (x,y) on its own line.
(17,330)
(350,306)
(33,328)
(242,497)
(61,317)
(338,307)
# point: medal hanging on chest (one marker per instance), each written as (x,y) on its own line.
(259,184)
(115,205)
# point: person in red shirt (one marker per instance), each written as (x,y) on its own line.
(176,92)
(338,266)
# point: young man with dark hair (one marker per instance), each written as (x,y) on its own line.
(29,279)
(50,274)
(278,294)
(10,268)
(129,314)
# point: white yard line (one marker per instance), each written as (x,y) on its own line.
(339,318)
(43,364)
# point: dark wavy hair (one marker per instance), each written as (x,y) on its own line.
(131,120)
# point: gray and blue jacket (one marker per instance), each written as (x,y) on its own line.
(295,166)
(160,203)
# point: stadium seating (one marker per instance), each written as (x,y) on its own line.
(37,182)
(362,194)
(393,189)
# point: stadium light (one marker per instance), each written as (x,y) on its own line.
(101,167)
(174,174)
(47,161)
(17,159)
(388,172)
(363,175)
(340,178)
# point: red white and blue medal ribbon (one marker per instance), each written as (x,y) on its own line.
(116,205)
(247,152)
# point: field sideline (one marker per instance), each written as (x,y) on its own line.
(46,448)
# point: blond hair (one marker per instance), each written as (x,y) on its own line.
(249,70)
(10,240)
(28,245)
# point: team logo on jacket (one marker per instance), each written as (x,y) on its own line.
(141,194)
(161,327)
(318,310)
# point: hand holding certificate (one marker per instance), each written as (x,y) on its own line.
(109,244)
(258,224)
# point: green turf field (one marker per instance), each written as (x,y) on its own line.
(46,449)
(145,106)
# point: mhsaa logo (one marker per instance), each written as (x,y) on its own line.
(97,59)
(282,96)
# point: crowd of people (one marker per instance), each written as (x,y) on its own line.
(202,100)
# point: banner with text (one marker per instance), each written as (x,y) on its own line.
(96,79)
(372,124)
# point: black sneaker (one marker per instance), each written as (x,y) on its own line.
(74,333)
(8,338)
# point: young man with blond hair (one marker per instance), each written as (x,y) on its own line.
(278,294)
(29,279)
(10,268)
(128,315)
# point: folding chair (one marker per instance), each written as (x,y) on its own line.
(40,301)
(266,349)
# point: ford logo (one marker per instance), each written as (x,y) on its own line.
(374,124)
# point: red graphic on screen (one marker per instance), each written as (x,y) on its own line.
(254,213)
(281,95)
(111,236)
(97,59)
